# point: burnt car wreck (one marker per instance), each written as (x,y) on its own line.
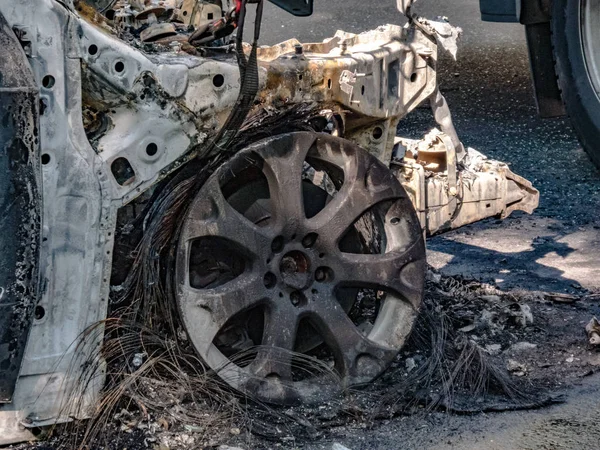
(264,188)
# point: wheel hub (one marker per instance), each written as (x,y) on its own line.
(304,272)
(295,270)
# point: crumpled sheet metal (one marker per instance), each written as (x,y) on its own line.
(446,35)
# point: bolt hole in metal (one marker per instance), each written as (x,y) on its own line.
(93,49)
(39,312)
(218,80)
(295,271)
(45,158)
(377,133)
(119,67)
(110,14)
(414,77)
(151,149)
(48,81)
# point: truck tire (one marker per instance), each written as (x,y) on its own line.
(576,42)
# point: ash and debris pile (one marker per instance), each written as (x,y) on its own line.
(474,348)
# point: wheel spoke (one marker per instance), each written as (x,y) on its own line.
(212,215)
(365,185)
(279,336)
(351,347)
(227,300)
(283,170)
(384,271)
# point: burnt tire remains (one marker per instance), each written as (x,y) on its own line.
(300,268)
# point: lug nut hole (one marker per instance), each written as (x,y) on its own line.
(270,280)
(297,298)
(323,274)
(277,244)
(309,240)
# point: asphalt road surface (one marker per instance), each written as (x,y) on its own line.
(555,249)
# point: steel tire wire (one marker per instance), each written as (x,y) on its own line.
(171,201)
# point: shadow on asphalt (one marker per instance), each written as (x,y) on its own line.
(511,267)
